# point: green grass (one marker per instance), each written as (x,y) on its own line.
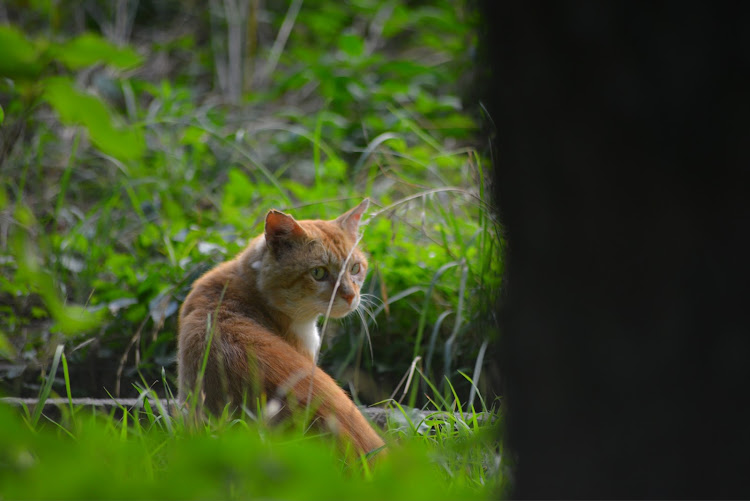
(150,452)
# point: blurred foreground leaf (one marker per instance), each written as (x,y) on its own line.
(70,320)
(19,57)
(78,108)
(95,460)
(89,49)
(6,349)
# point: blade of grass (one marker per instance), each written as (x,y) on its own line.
(448,351)
(61,427)
(410,124)
(353,350)
(425,305)
(65,181)
(477,372)
(444,403)
(251,158)
(423,319)
(370,148)
(433,339)
(316,145)
(167,390)
(406,416)
(410,374)
(148,411)
(456,401)
(47,388)
(124,427)
(67,383)
(163,416)
(210,329)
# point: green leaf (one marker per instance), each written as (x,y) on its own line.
(6,349)
(239,192)
(334,167)
(71,320)
(79,108)
(74,320)
(398,22)
(352,45)
(47,388)
(89,49)
(2,115)
(19,56)
(403,69)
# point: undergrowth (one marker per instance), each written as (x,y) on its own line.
(159,450)
(124,175)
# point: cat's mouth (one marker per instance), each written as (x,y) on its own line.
(342,308)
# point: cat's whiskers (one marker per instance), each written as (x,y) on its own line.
(341,273)
(366,331)
(367,303)
(370,298)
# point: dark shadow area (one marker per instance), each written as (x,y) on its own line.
(621,177)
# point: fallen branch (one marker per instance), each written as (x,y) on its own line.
(377,415)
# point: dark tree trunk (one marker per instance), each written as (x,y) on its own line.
(621,159)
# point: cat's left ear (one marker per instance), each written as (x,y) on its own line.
(282,231)
(349,220)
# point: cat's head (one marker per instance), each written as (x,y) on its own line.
(304,259)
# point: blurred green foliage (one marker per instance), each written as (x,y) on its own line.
(96,460)
(146,450)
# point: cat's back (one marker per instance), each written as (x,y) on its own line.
(221,287)
(206,291)
(216,301)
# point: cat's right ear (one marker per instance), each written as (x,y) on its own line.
(349,220)
(282,231)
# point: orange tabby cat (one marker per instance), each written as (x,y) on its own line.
(262,307)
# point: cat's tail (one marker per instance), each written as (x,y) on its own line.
(245,359)
(287,373)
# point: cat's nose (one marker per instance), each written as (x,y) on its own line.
(348,296)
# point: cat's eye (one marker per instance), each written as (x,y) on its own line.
(319,273)
(355,268)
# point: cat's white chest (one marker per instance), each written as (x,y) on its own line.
(307,332)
